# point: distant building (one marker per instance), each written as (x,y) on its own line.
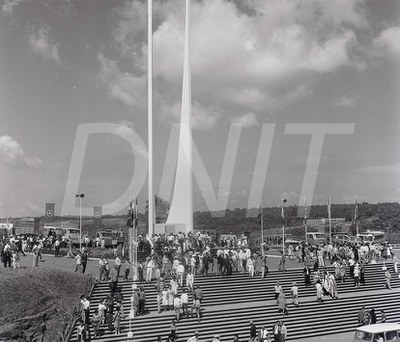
(324,221)
(5,227)
(26,225)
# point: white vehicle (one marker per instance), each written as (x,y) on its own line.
(315,238)
(73,235)
(383,332)
(372,236)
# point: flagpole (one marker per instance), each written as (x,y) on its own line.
(355,214)
(135,242)
(305,219)
(283,225)
(131,259)
(150,114)
(130,235)
(329,218)
(262,229)
(132,224)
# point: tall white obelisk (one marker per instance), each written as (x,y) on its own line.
(150,114)
(181,209)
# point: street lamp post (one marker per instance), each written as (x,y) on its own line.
(80,219)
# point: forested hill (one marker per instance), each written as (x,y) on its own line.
(380,216)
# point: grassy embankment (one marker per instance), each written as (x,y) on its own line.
(27,295)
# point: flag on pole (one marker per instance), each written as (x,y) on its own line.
(282,209)
(130,215)
(49,212)
(136,213)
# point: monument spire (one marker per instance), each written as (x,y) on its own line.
(181,209)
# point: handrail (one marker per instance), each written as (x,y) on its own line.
(75,316)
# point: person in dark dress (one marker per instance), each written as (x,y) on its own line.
(373,316)
(253,332)
(307,275)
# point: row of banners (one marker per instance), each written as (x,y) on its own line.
(50,210)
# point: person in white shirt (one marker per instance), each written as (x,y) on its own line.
(102,269)
(264,334)
(149,269)
(242,260)
(194,338)
(387,279)
(177,307)
(290,252)
(320,255)
(117,263)
(185,303)
(78,262)
(165,299)
(277,289)
(250,267)
(280,331)
(85,309)
(193,264)
(180,271)
(295,294)
(356,274)
(333,286)
(174,285)
(101,311)
(175,264)
(190,280)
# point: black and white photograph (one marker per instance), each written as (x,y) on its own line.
(199,170)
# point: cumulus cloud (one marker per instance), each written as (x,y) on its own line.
(8,6)
(42,45)
(253,55)
(11,154)
(234,47)
(128,88)
(205,118)
(387,44)
(248,120)
(125,130)
(345,101)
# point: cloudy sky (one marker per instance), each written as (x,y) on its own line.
(263,73)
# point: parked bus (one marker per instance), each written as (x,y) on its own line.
(372,236)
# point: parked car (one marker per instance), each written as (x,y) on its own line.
(383,332)
(339,237)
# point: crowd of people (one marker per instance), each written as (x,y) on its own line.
(366,317)
(175,260)
(277,333)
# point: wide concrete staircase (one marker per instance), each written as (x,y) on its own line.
(231,303)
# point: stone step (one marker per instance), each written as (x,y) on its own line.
(225,310)
(311,319)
